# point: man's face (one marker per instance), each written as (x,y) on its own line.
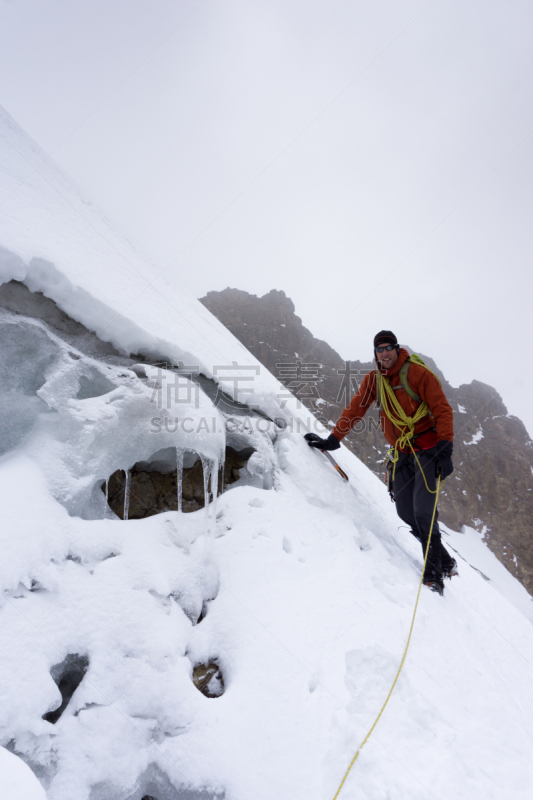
(387,358)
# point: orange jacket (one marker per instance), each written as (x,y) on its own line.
(428,431)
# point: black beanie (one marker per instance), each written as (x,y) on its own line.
(384,337)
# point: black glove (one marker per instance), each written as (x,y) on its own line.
(331,443)
(443,458)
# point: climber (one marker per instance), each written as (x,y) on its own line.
(418,459)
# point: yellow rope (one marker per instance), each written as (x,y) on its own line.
(369,734)
(406,425)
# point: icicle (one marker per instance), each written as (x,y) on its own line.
(127,494)
(179,476)
(106,498)
(206,466)
(215,472)
(222,472)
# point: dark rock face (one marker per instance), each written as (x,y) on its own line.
(16,297)
(272,332)
(153,492)
(208,679)
(68,675)
(491,489)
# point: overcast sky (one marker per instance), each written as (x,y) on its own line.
(372,159)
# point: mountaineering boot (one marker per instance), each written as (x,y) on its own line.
(450,569)
(435,584)
(434,570)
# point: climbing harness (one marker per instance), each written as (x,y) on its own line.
(370,732)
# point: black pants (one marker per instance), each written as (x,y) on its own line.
(415,504)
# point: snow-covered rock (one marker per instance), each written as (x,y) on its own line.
(18,781)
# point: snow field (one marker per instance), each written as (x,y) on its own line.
(307,591)
(307,614)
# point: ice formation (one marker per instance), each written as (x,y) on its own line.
(70,420)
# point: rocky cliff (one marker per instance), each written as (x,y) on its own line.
(491,489)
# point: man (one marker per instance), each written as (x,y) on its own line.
(428,432)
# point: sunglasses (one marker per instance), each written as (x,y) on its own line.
(388,348)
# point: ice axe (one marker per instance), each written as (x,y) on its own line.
(312,437)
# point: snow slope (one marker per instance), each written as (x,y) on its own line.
(300,586)
(64,248)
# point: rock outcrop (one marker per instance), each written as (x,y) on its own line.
(153,491)
(491,489)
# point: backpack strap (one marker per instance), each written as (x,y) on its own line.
(404,375)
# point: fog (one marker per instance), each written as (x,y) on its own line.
(373,160)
